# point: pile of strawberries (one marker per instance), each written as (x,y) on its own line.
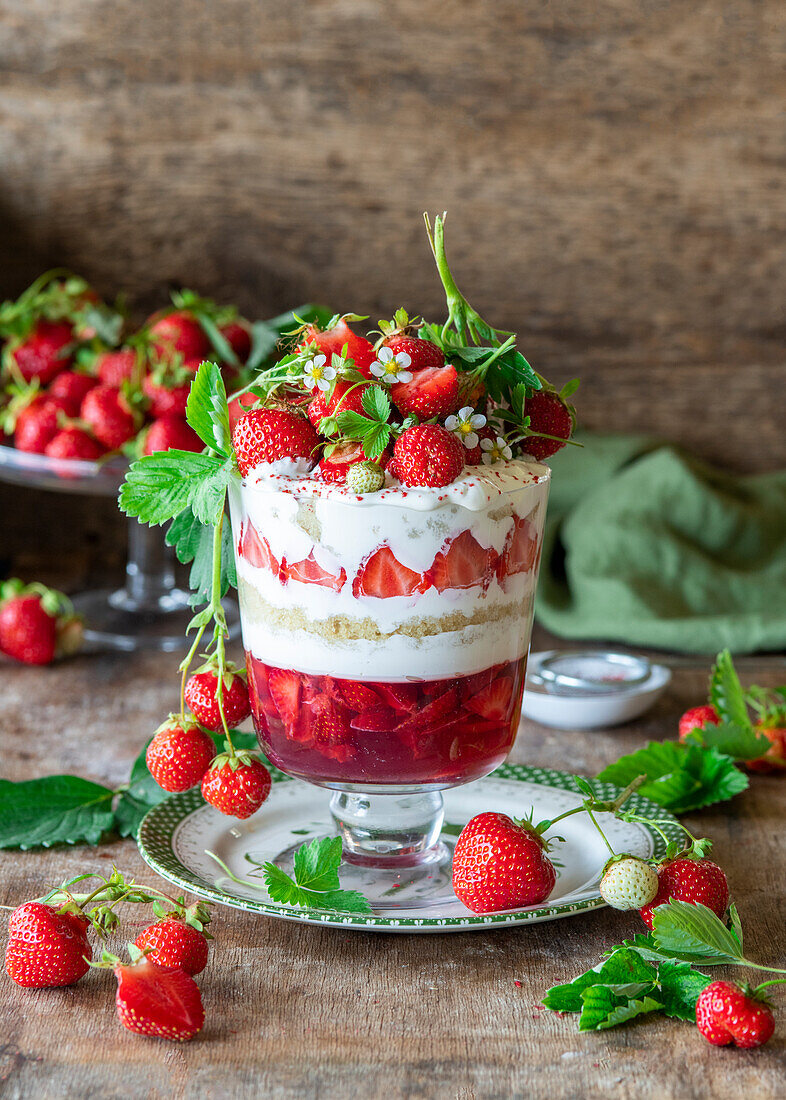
(76,385)
(48,947)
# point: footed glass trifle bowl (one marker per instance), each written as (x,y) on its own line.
(386,640)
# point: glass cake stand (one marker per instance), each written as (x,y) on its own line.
(150,611)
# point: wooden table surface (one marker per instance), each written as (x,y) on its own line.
(296,1011)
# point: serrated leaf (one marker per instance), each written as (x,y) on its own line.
(681,777)
(622,967)
(646,947)
(209,496)
(518,398)
(58,809)
(603,1009)
(206,409)
(693,930)
(376,403)
(353,425)
(736,926)
(726,693)
(679,986)
(193,542)
(159,486)
(741,743)
(283,890)
(316,864)
(376,441)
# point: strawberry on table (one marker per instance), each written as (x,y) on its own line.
(46,946)
(727,1014)
(628,883)
(179,754)
(236,783)
(173,942)
(37,623)
(691,879)
(697,718)
(499,863)
(163,1002)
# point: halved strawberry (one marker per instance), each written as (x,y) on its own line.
(402,697)
(379,719)
(309,571)
(430,717)
(432,392)
(493,702)
(255,549)
(521,549)
(285,690)
(346,397)
(463,563)
(333,469)
(332,341)
(158,1000)
(332,735)
(357,696)
(382,575)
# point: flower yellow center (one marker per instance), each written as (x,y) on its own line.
(465,427)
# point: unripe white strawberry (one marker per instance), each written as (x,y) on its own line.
(629,883)
(365,477)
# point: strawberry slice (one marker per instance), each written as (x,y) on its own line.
(333,341)
(358,696)
(255,549)
(433,391)
(428,719)
(309,571)
(402,697)
(285,690)
(493,702)
(382,575)
(463,563)
(158,1000)
(379,719)
(521,549)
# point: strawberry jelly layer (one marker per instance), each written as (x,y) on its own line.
(405,582)
(337,731)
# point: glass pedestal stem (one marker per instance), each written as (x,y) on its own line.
(389,830)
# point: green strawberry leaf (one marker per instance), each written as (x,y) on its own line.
(316,884)
(317,863)
(209,495)
(603,1008)
(623,967)
(58,809)
(739,742)
(693,931)
(726,693)
(679,986)
(681,777)
(159,486)
(206,409)
(193,542)
(376,403)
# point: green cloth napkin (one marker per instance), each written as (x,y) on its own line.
(646,545)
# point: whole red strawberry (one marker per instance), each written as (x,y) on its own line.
(179,754)
(431,392)
(70,388)
(167,389)
(171,433)
(46,947)
(340,340)
(690,879)
(37,425)
(164,1002)
(346,397)
(422,353)
(697,718)
(116,367)
(36,622)
(548,413)
(237,335)
(174,942)
(428,455)
(499,864)
(202,701)
(109,417)
(266,435)
(236,784)
(75,443)
(774,759)
(179,332)
(727,1014)
(43,353)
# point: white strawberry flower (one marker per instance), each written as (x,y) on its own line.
(495,450)
(392,367)
(317,374)
(465,424)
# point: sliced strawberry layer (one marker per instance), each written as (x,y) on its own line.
(382,575)
(463,563)
(285,690)
(379,719)
(256,551)
(357,696)
(521,549)
(309,571)
(493,702)
(402,697)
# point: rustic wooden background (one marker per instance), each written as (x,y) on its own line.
(613,173)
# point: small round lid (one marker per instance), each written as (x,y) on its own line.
(593,672)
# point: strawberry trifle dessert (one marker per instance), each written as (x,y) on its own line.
(387,526)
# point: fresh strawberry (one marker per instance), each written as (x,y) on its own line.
(167,389)
(200,695)
(109,417)
(499,864)
(240,405)
(236,784)
(266,435)
(159,1001)
(336,340)
(727,1014)
(428,455)
(46,947)
(74,443)
(346,397)
(309,571)
(70,387)
(285,689)
(116,367)
(365,477)
(520,553)
(256,550)
(432,392)
(37,425)
(43,353)
(173,942)
(697,718)
(179,754)
(383,576)
(423,354)
(548,413)
(493,701)
(774,759)
(178,332)
(463,563)
(170,432)
(628,883)
(689,879)
(37,624)
(238,336)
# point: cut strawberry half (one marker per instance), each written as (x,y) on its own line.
(358,696)
(493,702)
(309,571)
(333,342)
(427,719)
(463,563)
(285,690)
(521,549)
(383,576)
(431,392)
(402,697)
(158,1000)
(379,719)
(255,549)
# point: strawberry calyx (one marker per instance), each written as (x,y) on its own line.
(197,915)
(618,857)
(235,758)
(227,675)
(400,325)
